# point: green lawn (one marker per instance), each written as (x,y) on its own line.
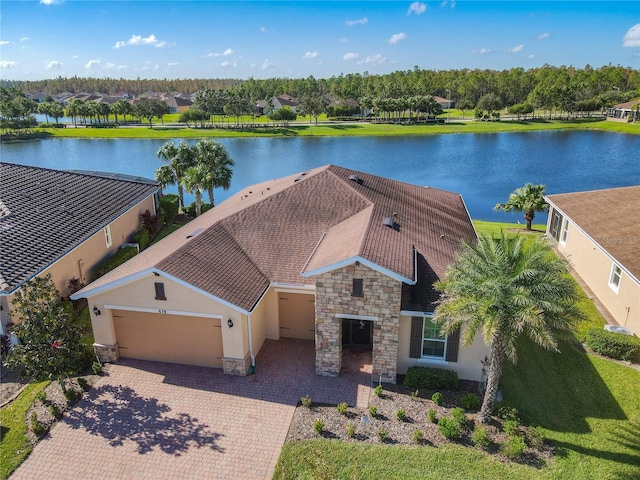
(14,446)
(494,228)
(355,129)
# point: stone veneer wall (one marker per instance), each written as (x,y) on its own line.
(236,366)
(106,353)
(382,296)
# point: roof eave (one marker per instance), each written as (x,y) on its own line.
(348,261)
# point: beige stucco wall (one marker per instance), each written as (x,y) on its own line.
(468,365)
(594,266)
(259,321)
(79,262)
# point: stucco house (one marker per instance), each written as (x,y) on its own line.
(625,112)
(599,232)
(331,255)
(63,223)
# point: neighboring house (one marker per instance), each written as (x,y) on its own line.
(625,112)
(599,232)
(264,107)
(63,223)
(444,102)
(331,255)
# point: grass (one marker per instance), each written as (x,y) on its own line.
(169,229)
(494,228)
(14,445)
(352,129)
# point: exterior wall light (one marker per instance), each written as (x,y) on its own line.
(230,323)
(96,311)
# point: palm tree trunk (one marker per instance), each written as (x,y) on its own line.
(211,196)
(198,202)
(180,195)
(498,354)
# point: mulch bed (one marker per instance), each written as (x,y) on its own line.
(394,398)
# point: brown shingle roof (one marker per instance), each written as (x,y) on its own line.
(610,218)
(272,231)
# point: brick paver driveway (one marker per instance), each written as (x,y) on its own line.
(164,421)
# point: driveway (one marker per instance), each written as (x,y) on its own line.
(165,421)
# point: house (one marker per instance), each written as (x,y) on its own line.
(276,103)
(444,102)
(599,232)
(63,223)
(625,112)
(331,255)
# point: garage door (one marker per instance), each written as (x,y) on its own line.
(297,315)
(169,338)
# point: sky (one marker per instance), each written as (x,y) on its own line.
(264,39)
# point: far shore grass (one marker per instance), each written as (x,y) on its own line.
(299,129)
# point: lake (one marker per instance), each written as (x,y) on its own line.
(484,168)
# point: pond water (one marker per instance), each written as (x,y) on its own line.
(484,168)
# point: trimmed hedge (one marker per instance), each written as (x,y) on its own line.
(118,258)
(431,378)
(169,208)
(141,237)
(190,210)
(614,345)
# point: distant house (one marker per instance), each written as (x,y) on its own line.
(599,232)
(444,102)
(337,257)
(63,223)
(625,112)
(39,97)
(275,103)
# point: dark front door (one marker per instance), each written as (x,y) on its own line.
(357,333)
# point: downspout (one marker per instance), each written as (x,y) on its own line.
(253,358)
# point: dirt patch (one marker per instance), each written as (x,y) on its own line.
(10,384)
(393,399)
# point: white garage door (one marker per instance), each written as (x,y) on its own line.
(297,315)
(169,338)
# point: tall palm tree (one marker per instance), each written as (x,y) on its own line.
(214,156)
(504,287)
(178,159)
(196,180)
(528,199)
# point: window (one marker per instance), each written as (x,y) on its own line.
(614,279)
(564,232)
(107,235)
(160,291)
(556,223)
(357,290)
(433,342)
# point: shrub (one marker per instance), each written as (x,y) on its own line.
(96,368)
(514,447)
(431,415)
(418,436)
(84,385)
(351,430)
(318,426)
(437,398)
(481,438)
(306,401)
(401,415)
(415,394)
(150,222)
(378,391)
(431,378)
(511,426)
(55,411)
(535,437)
(458,415)
(72,395)
(505,411)
(37,426)
(342,408)
(115,260)
(383,435)
(470,401)
(169,208)
(449,428)
(141,237)
(5,345)
(373,411)
(190,210)
(613,345)
(42,396)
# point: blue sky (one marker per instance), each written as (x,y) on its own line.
(263,39)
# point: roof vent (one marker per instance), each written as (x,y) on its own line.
(389,222)
(357,179)
(194,233)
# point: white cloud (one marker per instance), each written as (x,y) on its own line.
(482,51)
(227,52)
(74,57)
(452,3)
(109,66)
(24,39)
(53,64)
(532,56)
(156,67)
(343,40)
(4,42)
(172,64)
(310,55)
(267,64)
(517,49)
(121,67)
(93,63)
(350,56)
(51,2)
(228,64)
(417,8)
(544,35)
(8,64)
(263,29)
(632,37)
(360,21)
(140,40)
(374,60)
(397,38)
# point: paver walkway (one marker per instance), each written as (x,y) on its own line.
(150,420)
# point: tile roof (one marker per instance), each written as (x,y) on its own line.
(274,231)
(610,218)
(47,213)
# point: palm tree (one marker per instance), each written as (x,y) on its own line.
(196,180)
(179,158)
(504,287)
(528,199)
(215,158)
